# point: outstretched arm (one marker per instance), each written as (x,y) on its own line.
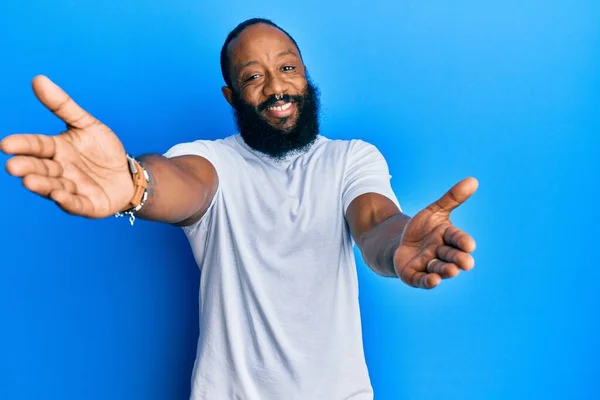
(376,224)
(84,169)
(180,188)
(421,250)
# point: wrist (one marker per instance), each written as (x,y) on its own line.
(397,241)
(140,178)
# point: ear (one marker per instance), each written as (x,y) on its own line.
(227,93)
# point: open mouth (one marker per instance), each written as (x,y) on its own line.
(281,109)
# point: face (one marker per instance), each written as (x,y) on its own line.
(265,63)
(275,103)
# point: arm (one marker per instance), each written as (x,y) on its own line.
(421,250)
(376,225)
(85,171)
(180,189)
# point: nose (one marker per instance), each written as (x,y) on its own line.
(274,86)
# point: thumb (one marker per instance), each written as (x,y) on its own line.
(454,197)
(60,104)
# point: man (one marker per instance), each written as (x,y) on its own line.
(271,214)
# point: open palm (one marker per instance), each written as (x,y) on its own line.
(431,248)
(83,169)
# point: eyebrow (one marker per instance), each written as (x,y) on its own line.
(286,52)
(279,55)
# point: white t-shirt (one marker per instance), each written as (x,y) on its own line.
(279,310)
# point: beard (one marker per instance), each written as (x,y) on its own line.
(277,143)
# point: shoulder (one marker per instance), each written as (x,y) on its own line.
(195,147)
(211,149)
(352,149)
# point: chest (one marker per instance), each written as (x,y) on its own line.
(302,197)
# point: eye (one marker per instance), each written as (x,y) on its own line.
(288,68)
(252,77)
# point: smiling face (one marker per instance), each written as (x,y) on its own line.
(265,64)
(275,103)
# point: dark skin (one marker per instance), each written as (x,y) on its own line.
(422,250)
(264,63)
(84,171)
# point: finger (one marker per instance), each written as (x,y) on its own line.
(420,279)
(456,238)
(457,195)
(26,165)
(44,185)
(36,145)
(459,258)
(443,269)
(60,103)
(71,203)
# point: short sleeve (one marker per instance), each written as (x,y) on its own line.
(366,172)
(205,149)
(202,148)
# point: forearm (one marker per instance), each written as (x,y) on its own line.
(176,192)
(379,244)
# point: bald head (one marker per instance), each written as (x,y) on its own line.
(245,33)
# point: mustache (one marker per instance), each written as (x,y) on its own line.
(286,98)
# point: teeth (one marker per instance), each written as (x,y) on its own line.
(281,108)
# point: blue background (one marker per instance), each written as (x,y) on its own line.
(506,91)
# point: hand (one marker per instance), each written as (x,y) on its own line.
(83,169)
(431,248)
